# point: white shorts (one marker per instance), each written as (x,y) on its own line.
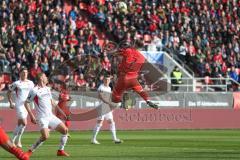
(107,116)
(21,112)
(49,122)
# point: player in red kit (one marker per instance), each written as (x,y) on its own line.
(6,144)
(128,70)
(64,98)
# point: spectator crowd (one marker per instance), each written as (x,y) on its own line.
(42,36)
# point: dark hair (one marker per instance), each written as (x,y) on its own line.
(107,75)
(23,68)
(139,43)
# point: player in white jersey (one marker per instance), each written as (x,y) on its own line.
(105,88)
(42,97)
(21,89)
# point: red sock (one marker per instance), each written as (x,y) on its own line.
(67,123)
(17,152)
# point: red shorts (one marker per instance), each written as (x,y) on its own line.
(123,84)
(3,137)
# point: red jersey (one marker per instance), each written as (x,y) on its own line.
(64,97)
(131,63)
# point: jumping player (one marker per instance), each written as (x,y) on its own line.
(42,97)
(6,144)
(105,88)
(21,89)
(128,70)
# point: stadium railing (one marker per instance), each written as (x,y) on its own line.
(203,84)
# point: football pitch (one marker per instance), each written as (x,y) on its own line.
(139,145)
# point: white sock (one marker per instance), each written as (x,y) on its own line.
(37,144)
(15,133)
(113,130)
(63,141)
(96,130)
(20,133)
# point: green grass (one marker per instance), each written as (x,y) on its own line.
(141,145)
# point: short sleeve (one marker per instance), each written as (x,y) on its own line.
(31,96)
(100,89)
(13,86)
